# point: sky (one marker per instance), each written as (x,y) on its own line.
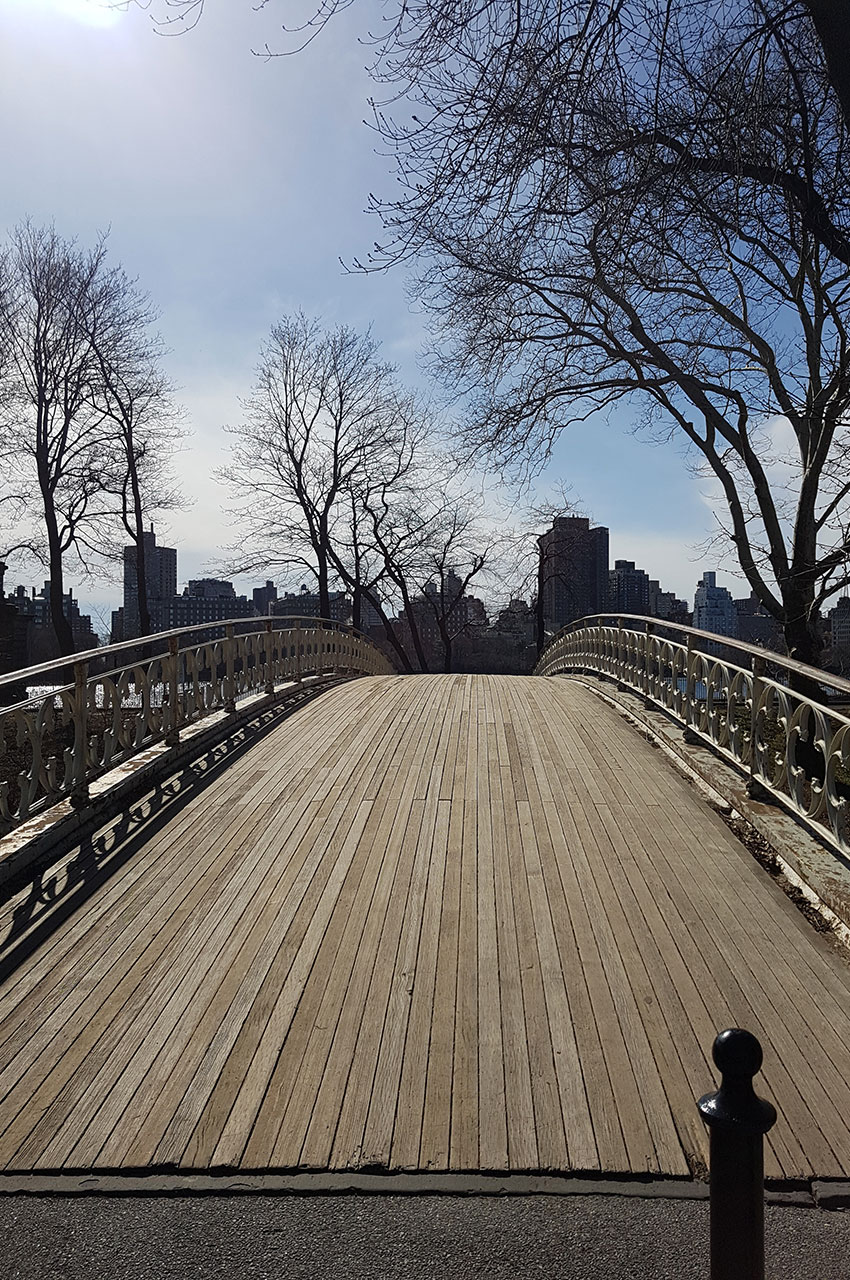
(231,185)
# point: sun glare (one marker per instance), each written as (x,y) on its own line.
(90,13)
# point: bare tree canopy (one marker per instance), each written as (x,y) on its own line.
(144,424)
(53,436)
(336,472)
(642,203)
(82,406)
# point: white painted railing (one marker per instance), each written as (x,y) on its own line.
(735,697)
(125,698)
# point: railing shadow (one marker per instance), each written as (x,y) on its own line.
(50,892)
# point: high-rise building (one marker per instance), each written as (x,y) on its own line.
(666,605)
(161,580)
(41,642)
(573,570)
(714,608)
(839,621)
(204,600)
(755,625)
(628,588)
(262,597)
(14,636)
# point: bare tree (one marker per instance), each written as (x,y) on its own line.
(430,542)
(336,470)
(326,423)
(53,434)
(677,237)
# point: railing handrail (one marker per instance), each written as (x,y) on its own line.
(744,646)
(71,659)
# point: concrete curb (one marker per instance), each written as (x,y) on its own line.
(830,1193)
(414,1184)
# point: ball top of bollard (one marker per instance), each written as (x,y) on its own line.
(737,1053)
(735,1107)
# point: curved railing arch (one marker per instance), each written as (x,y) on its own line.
(123,698)
(738,699)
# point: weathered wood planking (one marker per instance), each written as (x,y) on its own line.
(426,923)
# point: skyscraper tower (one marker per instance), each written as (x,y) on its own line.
(161,579)
(573,570)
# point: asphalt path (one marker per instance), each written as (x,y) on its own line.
(349,1237)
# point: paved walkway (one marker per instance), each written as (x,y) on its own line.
(396,1238)
(425,923)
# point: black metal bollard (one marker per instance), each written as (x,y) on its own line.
(737,1122)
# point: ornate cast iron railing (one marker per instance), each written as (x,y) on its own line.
(739,699)
(127,697)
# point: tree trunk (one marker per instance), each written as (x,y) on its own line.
(357,591)
(804,642)
(831,23)
(139,539)
(539,621)
(61,625)
(413,624)
(142,583)
(324,593)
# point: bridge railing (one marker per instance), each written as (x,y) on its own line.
(737,698)
(73,719)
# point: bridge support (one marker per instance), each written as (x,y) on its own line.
(737,1122)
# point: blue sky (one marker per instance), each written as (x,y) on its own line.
(231,185)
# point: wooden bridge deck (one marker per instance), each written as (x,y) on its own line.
(426,923)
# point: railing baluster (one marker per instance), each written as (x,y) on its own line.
(755,789)
(269,685)
(79,759)
(172,735)
(229,668)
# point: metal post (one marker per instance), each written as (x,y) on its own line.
(689,734)
(647,682)
(79,762)
(737,1122)
(172,736)
(269,686)
(230,675)
(756,789)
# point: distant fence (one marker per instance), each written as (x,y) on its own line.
(735,697)
(124,698)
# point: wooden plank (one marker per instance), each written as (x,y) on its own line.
(554,854)
(519,1100)
(377,1027)
(318,1122)
(463,1137)
(492,1114)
